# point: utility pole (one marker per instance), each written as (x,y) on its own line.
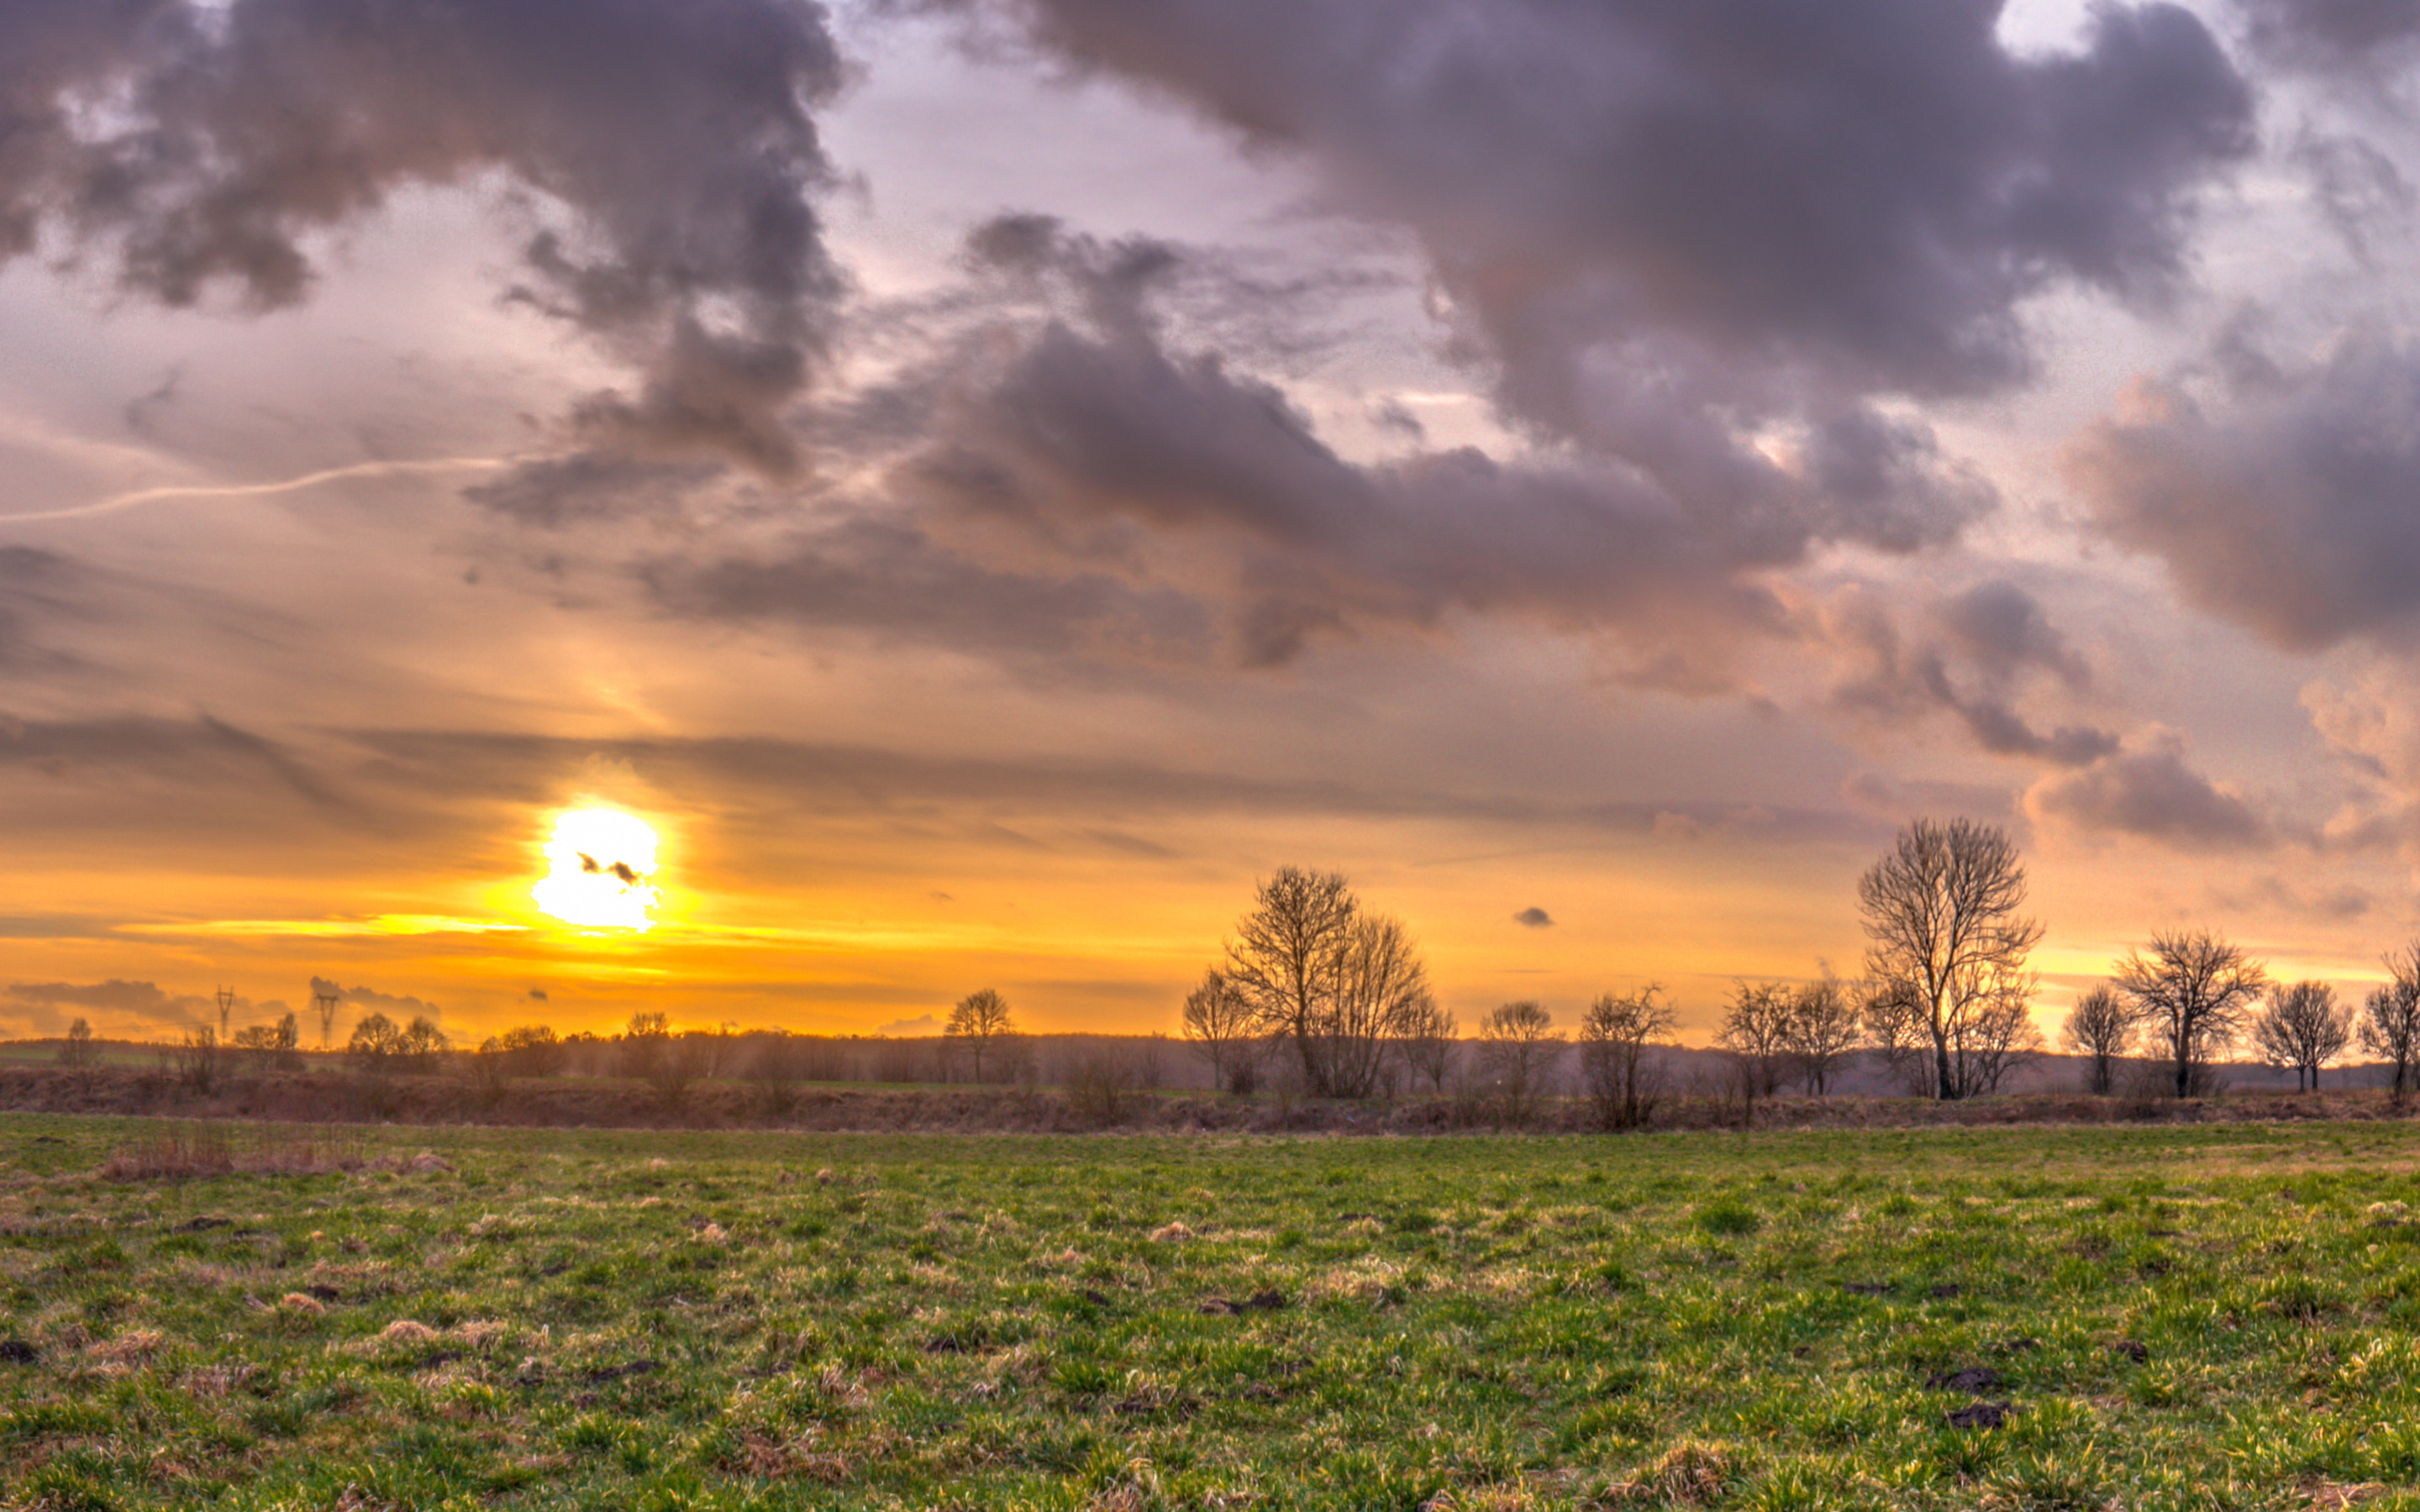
(326,1004)
(226,1006)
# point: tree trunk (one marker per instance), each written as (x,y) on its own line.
(1943,1088)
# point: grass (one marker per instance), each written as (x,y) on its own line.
(2204,1317)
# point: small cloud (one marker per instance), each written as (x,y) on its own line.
(917,1027)
(1534,918)
(1671,826)
(537,994)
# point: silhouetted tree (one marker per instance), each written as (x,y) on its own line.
(2304,1027)
(1819,1030)
(270,1046)
(977,1025)
(1427,1045)
(1221,1026)
(1615,1034)
(531,1050)
(2194,995)
(1518,1048)
(1340,985)
(1947,947)
(2390,1018)
(1756,1031)
(2100,1028)
(76,1051)
(375,1045)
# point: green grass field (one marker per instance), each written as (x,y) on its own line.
(2188,1318)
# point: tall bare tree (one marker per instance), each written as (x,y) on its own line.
(2100,1028)
(2303,1026)
(1381,988)
(1427,1045)
(76,1050)
(1340,985)
(1615,1034)
(977,1025)
(1221,1026)
(1518,1048)
(2390,1018)
(1947,946)
(1821,1030)
(2193,994)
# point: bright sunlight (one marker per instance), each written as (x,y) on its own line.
(597,866)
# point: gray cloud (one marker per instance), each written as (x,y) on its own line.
(369,999)
(666,152)
(2330,32)
(1534,918)
(1080,446)
(115,996)
(586,485)
(2283,502)
(2153,792)
(1981,646)
(1862,189)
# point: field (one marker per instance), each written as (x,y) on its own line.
(2212,1316)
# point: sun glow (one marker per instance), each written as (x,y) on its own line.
(597,866)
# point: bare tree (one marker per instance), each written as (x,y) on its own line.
(1997,1038)
(1339,983)
(1221,1026)
(1615,1034)
(2303,1026)
(2390,1018)
(2100,1028)
(1821,1029)
(198,1058)
(1896,1028)
(375,1045)
(1518,1048)
(76,1050)
(977,1026)
(666,1061)
(531,1050)
(270,1046)
(1427,1045)
(1947,946)
(1756,1030)
(2193,995)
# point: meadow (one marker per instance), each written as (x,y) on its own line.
(245,1317)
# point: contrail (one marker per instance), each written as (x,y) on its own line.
(260,490)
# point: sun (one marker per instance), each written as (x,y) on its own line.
(597,866)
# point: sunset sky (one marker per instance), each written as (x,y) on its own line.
(982,481)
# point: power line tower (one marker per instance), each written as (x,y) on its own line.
(326,1004)
(226,1006)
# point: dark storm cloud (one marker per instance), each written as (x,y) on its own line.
(669,147)
(2153,792)
(1861,190)
(2282,500)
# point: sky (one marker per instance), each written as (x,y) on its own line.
(966,487)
